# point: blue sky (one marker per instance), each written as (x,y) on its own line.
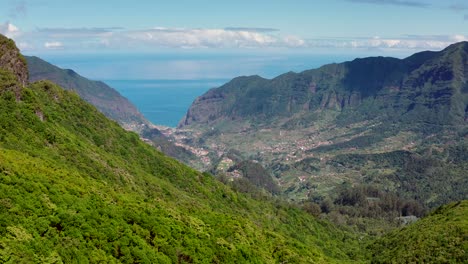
(253,35)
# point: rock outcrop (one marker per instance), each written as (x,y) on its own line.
(11,60)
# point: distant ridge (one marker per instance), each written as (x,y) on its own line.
(99,94)
(425,87)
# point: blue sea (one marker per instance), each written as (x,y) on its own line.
(163,102)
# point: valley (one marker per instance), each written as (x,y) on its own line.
(277,148)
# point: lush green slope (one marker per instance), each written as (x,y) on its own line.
(12,60)
(441,237)
(97,93)
(76,188)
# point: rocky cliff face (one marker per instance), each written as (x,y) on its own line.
(428,86)
(11,60)
(205,108)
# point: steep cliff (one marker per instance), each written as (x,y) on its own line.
(426,87)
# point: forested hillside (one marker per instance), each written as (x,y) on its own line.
(76,187)
(441,237)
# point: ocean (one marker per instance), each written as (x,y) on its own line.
(163,102)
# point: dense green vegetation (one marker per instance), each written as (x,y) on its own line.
(442,237)
(75,187)
(257,175)
(433,177)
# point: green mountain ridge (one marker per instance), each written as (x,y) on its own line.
(397,86)
(77,188)
(97,93)
(421,242)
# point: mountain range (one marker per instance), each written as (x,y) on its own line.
(428,88)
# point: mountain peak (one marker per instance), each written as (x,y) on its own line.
(463,45)
(12,61)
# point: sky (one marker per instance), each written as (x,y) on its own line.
(148,39)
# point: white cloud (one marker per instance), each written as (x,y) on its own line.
(114,38)
(293,41)
(206,38)
(77,32)
(53,45)
(161,37)
(408,42)
(9,30)
(252,29)
(459,38)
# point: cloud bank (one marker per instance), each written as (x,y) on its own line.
(117,38)
(157,37)
(203,38)
(406,42)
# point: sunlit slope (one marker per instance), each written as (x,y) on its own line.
(441,237)
(75,188)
